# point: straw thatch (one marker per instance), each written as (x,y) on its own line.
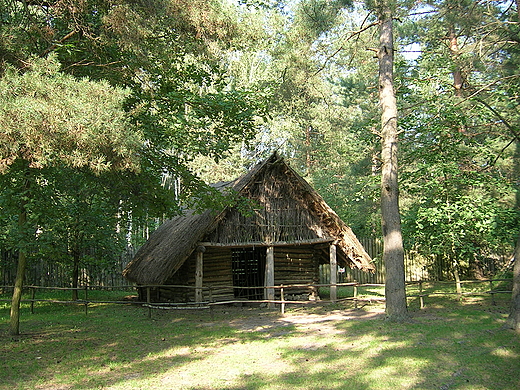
(287,211)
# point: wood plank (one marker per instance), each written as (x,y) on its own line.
(199,276)
(264,243)
(333,273)
(269,273)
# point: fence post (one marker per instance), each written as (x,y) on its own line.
(493,302)
(282,298)
(355,296)
(33,294)
(421,298)
(86,299)
(149,301)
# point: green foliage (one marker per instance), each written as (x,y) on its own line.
(81,220)
(206,88)
(57,132)
(178,104)
(49,117)
(458,158)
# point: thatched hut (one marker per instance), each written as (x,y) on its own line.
(283,240)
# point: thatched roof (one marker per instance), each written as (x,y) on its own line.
(175,240)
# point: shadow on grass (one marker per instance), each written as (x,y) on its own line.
(454,347)
(64,348)
(446,346)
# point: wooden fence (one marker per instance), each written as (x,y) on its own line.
(49,273)
(415,269)
(421,290)
(416,266)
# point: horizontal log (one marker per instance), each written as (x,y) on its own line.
(265,243)
(218,256)
(292,272)
(295,263)
(213,267)
(295,258)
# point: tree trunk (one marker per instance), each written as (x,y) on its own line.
(456,72)
(393,252)
(14,322)
(513,321)
(456,274)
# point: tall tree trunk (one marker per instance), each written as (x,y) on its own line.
(14,322)
(513,321)
(456,72)
(393,252)
(308,163)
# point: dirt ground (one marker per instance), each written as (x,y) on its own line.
(322,319)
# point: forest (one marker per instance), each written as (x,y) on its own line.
(117,114)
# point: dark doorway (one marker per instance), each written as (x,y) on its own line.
(248,271)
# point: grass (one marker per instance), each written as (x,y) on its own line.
(447,345)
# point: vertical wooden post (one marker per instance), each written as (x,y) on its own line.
(149,301)
(269,275)
(492,293)
(282,298)
(86,299)
(421,298)
(355,297)
(199,273)
(333,273)
(33,294)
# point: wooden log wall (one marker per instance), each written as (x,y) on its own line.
(296,265)
(293,265)
(217,273)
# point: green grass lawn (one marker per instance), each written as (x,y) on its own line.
(447,345)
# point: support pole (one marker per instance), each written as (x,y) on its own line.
(492,292)
(33,296)
(333,273)
(421,298)
(149,301)
(269,275)
(282,298)
(86,299)
(199,264)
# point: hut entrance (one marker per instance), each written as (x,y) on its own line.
(248,271)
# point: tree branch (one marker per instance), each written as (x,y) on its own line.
(351,35)
(485,87)
(54,45)
(510,127)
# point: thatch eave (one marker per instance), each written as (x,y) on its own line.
(167,248)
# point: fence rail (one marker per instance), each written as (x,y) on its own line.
(424,291)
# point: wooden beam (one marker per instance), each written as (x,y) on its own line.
(269,275)
(333,273)
(267,244)
(199,264)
